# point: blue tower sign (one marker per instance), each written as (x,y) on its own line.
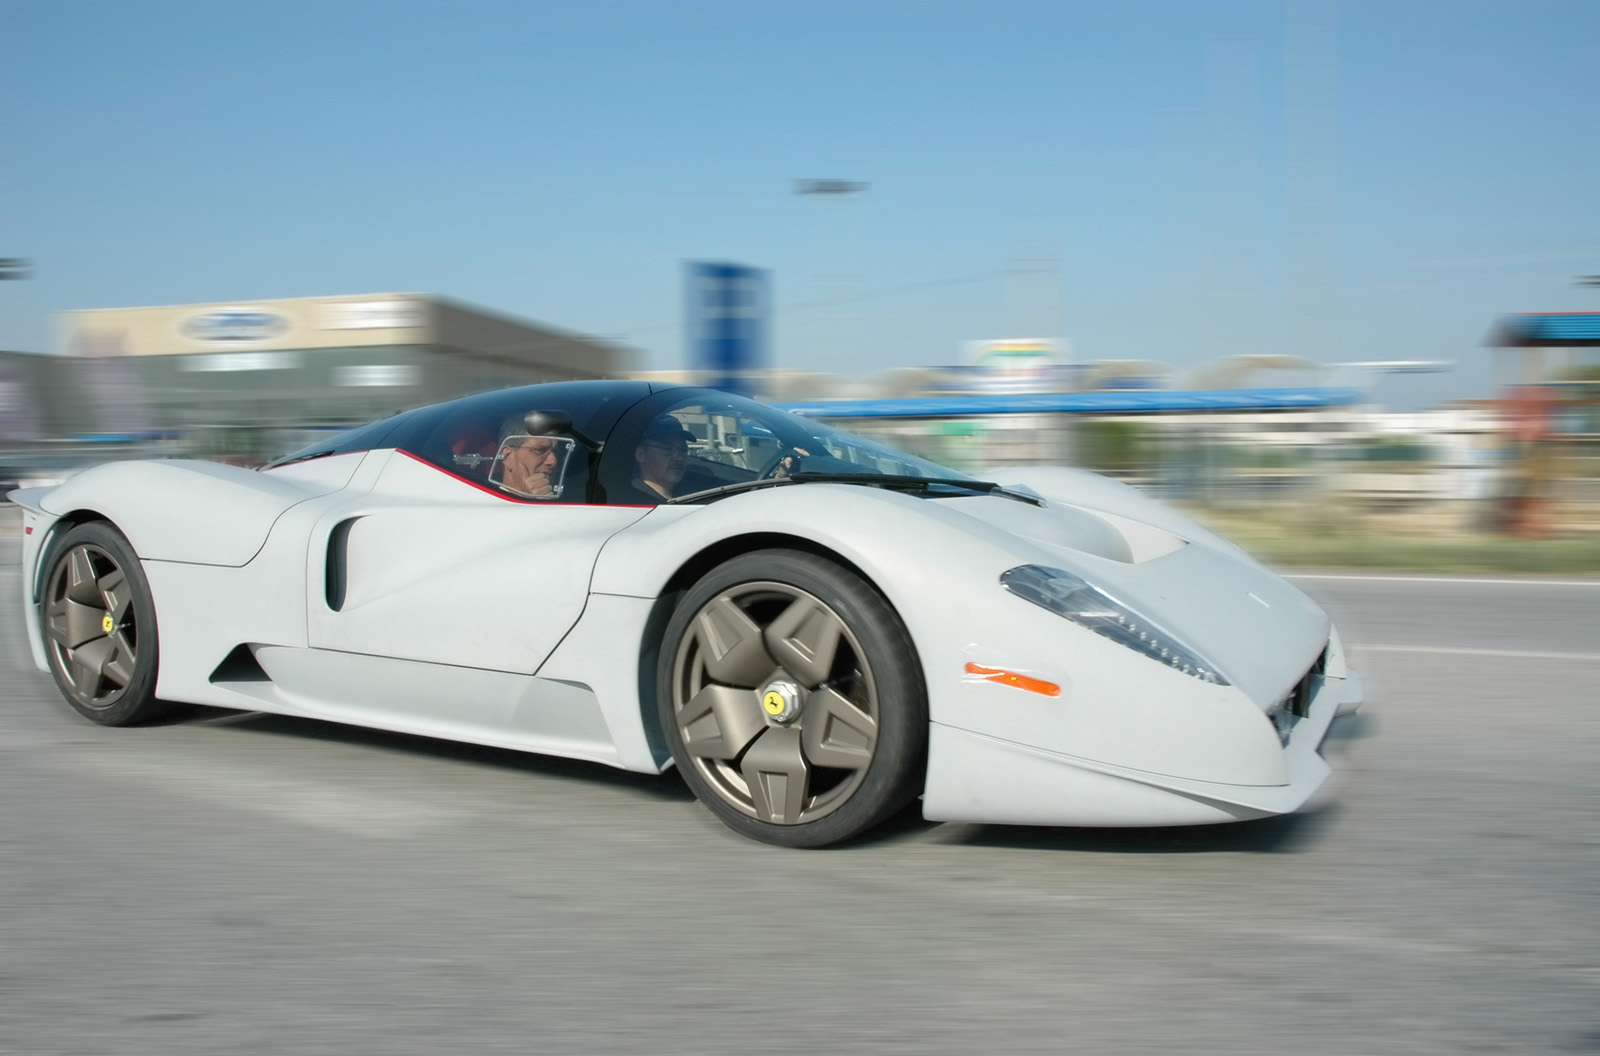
(729,306)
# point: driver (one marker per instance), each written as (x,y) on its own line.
(661,458)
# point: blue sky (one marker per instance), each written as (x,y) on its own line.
(1355,180)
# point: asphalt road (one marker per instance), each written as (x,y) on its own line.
(237,884)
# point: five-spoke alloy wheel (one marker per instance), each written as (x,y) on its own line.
(792,699)
(99,626)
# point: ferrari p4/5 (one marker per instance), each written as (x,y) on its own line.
(815,629)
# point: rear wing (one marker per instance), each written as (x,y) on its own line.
(29,498)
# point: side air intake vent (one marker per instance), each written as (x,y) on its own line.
(334,578)
(239,666)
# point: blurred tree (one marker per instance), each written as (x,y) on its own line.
(1114,445)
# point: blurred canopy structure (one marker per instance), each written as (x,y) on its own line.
(1546,330)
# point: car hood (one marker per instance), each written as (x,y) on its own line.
(939,561)
(1260,631)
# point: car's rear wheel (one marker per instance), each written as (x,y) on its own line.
(99,627)
(792,700)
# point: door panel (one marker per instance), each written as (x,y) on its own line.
(466,578)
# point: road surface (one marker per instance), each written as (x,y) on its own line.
(240,884)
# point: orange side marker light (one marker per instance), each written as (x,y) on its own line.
(1011,678)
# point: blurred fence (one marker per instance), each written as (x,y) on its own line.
(27,463)
(1339,471)
(1330,469)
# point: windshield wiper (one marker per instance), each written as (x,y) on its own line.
(882,480)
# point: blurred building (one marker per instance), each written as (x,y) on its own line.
(22,378)
(311,362)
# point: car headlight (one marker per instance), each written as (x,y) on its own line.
(1088,606)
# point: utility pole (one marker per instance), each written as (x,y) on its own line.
(835,337)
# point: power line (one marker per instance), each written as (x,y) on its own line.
(887,291)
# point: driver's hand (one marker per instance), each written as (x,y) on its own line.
(789,463)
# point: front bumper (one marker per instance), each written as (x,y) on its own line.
(975,777)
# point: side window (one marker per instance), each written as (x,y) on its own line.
(532,467)
(681,442)
(728,443)
(486,443)
(696,445)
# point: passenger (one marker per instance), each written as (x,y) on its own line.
(527,463)
(661,459)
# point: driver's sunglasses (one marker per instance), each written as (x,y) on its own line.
(669,446)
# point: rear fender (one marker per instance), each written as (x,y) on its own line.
(202,513)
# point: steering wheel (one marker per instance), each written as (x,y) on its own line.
(787,460)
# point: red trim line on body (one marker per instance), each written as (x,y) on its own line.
(497,493)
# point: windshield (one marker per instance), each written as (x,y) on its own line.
(686,441)
(869,456)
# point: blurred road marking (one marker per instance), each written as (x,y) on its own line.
(1468,580)
(1445,650)
(319,804)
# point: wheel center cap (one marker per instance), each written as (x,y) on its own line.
(108,624)
(781,700)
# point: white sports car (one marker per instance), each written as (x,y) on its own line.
(814,628)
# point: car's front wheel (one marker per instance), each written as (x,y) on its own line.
(792,699)
(99,626)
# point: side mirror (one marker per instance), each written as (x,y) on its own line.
(555,423)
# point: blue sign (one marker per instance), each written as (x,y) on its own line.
(222,326)
(728,311)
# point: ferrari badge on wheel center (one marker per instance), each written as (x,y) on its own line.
(781,700)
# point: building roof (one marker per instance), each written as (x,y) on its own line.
(1546,330)
(1080,403)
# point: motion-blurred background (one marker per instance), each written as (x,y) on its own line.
(1318,270)
(1322,272)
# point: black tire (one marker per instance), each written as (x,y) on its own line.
(98,623)
(792,700)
